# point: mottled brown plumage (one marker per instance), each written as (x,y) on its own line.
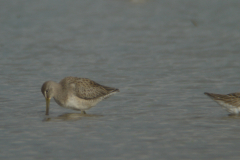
(76,93)
(229,102)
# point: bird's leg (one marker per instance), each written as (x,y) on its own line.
(83,112)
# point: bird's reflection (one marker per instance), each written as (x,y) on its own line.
(234,116)
(231,116)
(71,117)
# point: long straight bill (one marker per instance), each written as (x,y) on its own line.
(47,106)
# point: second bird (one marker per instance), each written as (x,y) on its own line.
(229,102)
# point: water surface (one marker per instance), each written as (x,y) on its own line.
(162,55)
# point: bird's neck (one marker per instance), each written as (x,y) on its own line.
(59,93)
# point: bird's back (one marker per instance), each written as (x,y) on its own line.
(230,102)
(87,89)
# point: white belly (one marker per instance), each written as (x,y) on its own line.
(80,104)
(230,108)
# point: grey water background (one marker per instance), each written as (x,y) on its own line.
(161,54)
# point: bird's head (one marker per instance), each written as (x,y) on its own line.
(48,92)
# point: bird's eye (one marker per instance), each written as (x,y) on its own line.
(46,91)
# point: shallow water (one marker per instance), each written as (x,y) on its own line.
(162,55)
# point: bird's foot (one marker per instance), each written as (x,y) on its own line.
(83,112)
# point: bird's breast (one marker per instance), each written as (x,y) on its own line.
(73,103)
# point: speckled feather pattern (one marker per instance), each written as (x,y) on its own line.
(230,102)
(85,88)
